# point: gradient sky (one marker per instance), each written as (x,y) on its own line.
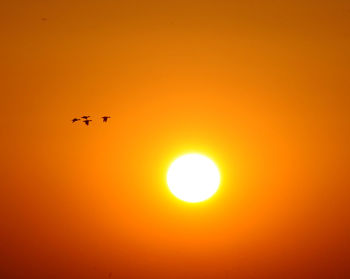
(261,87)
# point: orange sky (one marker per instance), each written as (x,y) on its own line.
(261,87)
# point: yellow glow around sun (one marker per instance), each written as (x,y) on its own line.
(193,178)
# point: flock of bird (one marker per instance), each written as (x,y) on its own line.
(87,120)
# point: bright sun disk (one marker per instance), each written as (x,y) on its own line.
(193,178)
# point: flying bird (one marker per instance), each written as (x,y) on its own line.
(85,117)
(105,118)
(75,120)
(87,122)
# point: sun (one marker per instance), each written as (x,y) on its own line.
(193,178)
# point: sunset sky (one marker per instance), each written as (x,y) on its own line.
(260,87)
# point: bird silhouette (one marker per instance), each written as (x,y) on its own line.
(87,122)
(75,120)
(105,118)
(85,117)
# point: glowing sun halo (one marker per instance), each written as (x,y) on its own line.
(193,178)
